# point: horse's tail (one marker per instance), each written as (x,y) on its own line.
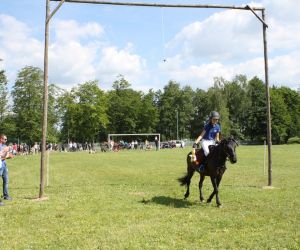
(184,180)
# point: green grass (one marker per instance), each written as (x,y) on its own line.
(132,200)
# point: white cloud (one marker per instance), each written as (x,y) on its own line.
(81,54)
(226,43)
(198,76)
(225,35)
(230,42)
(284,22)
(71,63)
(77,53)
(70,59)
(17,47)
(69,30)
(283,70)
(116,61)
(287,11)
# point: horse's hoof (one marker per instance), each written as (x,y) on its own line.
(208,201)
(219,205)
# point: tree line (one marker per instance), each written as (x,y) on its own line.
(87,113)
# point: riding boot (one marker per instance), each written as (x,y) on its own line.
(201,167)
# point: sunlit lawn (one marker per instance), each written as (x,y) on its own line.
(132,200)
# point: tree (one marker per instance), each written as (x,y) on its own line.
(255,123)
(237,103)
(92,107)
(27,104)
(281,119)
(83,112)
(3,96)
(27,96)
(202,110)
(168,105)
(218,101)
(67,111)
(124,108)
(148,113)
(292,102)
(54,92)
(186,111)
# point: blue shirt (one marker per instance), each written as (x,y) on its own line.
(211,131)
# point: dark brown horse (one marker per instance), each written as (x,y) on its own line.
(215,167)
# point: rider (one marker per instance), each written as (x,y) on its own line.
(209,136)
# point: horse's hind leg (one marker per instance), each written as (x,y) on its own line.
(189,177)
(202,177)
(186,180)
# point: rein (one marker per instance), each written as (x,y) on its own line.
(224,151)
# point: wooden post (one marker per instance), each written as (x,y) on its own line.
(45,102)
(140,4)
(213,6)
(269,133)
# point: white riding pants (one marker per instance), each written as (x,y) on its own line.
(205,144)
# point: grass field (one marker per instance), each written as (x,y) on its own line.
(132,200)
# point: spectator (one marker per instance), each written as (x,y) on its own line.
(3,167)
(156,142)
(15,149)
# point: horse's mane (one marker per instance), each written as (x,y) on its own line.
(216,152)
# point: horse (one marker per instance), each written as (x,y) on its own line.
(215,167)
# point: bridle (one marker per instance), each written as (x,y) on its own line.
(227,143)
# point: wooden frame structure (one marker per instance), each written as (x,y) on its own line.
(50,14)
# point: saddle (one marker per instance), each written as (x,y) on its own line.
(200,156)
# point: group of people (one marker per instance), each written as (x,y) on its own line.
(5,154)
(134,144)
(76,146)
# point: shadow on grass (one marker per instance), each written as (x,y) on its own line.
(169,201)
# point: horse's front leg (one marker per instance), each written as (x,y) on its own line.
(202,177)
(215,182)
(215,192)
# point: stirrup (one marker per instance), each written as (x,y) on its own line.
(201,168)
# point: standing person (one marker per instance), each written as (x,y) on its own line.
(156,142)
(209,136)
(4,171)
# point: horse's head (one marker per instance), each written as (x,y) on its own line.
(229,146)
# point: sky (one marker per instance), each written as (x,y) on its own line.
(150,46)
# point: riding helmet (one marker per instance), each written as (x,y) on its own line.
(214,115)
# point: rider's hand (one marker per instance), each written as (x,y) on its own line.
(195,145)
